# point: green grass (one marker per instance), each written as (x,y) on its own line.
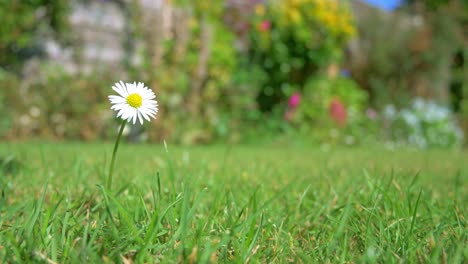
(236,204)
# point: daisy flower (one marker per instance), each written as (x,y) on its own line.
(134,101)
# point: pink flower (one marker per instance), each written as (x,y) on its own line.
(337,111)
(371,113)
(294,100)
(264,26)
(289,115)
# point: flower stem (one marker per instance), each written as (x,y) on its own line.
(116,146)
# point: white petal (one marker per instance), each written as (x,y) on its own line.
(150,103)
(141,86)
(130,88)
(145,116)
(134,115)
(114,99)
(140,117)
(122,89)
(151,113)
(123,110)
(125,113)
(148,96)
(118,89)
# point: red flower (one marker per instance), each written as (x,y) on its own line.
(337,111)
(294,100)
(264,26)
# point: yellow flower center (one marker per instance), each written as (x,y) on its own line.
(134,100)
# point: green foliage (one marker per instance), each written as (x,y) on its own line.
(315,113)
(291,40)
(406,54)
(385,69)
(219,71)
(212,9)
(320,91)
(196,74)
(59,105)
(426,125)
(8,86)
(21,22)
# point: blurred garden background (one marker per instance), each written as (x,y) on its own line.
(332,72)
(295,131)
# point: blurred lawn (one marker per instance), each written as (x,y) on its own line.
(233,203)
(138,163)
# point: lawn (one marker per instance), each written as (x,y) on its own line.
(257,204)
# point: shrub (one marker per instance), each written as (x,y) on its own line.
(59,105)
(8,85)
(402,55)
(291,40)
(336,104)
(201,87)
(425,124)
(21,23)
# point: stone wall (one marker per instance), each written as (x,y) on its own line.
(101,35)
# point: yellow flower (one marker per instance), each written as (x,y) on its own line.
(260,10)
(295,16)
